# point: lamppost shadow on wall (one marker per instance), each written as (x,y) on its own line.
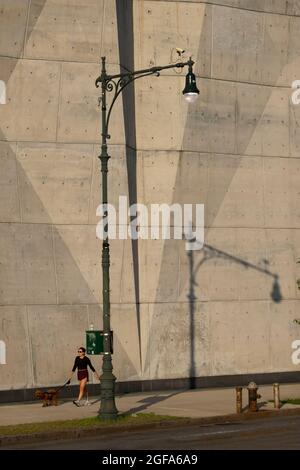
(210,252)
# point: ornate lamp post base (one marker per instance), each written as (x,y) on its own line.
(108,409)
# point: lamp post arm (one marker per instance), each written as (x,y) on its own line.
(117,83)
(118,87)
(151,70)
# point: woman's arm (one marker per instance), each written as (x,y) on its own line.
(74,367)
(70,378)
(75,364)
(92,368)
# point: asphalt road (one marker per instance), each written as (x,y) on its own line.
(272,433)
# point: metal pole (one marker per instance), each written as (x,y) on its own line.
(276,396)
(239,399)
(108,408)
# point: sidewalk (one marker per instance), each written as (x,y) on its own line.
(187,403)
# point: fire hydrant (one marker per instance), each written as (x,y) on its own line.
(253,396)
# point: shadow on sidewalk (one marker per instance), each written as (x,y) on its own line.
(149,401)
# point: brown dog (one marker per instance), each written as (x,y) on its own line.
(49,397)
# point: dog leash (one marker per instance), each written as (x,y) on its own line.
(58,389)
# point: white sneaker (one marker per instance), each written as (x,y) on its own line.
(76,402)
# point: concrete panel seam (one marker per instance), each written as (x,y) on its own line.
(209,152)
(54,262)
(25,39)
(51,142)
(18,185)
(102,29)
(264,192)
(92,183)
(236,120)
(244,82)
(212,41)
(88,315)
(167,149)
(290,127)
(178,277)
(140,149)
(159,302)
(222,5)
(122,273)
(29,347)
(165,75)
(43,59)
(220,227)
(58,102)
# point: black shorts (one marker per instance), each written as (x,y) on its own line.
(83,374)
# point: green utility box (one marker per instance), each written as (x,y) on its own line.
(95,342)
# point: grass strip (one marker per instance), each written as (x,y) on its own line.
(33,428)
(290,401)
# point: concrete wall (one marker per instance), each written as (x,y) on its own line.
(227,309)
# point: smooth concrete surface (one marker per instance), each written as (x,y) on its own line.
(192,403)
(227,309)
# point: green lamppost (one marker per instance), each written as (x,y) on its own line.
(116,84)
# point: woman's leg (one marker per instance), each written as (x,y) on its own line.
(82,385)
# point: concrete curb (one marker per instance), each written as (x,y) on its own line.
(111,429)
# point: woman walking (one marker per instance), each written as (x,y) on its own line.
(81,363)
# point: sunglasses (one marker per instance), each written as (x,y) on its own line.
(80,351)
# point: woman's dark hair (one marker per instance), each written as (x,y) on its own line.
(83,349)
